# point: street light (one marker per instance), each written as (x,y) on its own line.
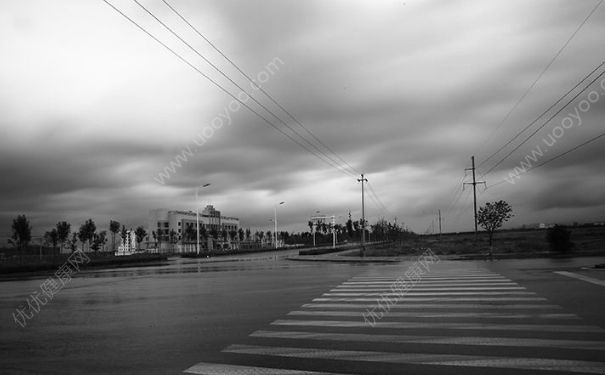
(275,222)
(197,218)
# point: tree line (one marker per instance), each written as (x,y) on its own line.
(61,235)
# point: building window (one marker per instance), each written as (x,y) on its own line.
(179,223)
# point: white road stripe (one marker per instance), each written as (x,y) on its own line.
(439,340)
(588,279)
(221,369)
(474,306)
(428,289)
(420,283)
(479,293)
(474,315)
(436,299)
(441,325)
(424,359)
(432,274)
(428,278)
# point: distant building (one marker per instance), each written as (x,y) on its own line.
(175,230)
(128,246)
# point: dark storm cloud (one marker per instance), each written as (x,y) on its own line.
(405,93)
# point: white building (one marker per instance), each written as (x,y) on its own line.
(182,225)
(129,246)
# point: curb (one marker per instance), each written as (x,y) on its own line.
(311,258)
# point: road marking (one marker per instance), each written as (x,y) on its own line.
(424,359)
(439,284)
(474,315)
(403,294)
(432,275)
(433,306)
(221,369)
(440,340)
(429,289)
(588,279)
(435,279)
(436,299)
(441,325)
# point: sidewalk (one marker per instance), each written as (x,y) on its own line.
(341,257)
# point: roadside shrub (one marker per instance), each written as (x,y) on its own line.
(559,239)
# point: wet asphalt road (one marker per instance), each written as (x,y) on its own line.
(165,319)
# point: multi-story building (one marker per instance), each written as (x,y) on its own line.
(128,245)
(176,230)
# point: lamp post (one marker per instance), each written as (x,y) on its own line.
(197,218)
(275,222)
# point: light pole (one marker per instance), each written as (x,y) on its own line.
(197,218)
(275,222)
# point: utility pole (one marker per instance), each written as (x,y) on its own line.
(439,223)
(474,183)
(275,221)
(363,214)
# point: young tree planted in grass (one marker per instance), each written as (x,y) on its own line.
(173,238)
(124,235)
(349,227)
(492,216)
(63,230)
(82,236)
(114,228)
(87,232)
(140,234)
(22,231)
(189,233)
(52,237)
(99,240)
(73,243)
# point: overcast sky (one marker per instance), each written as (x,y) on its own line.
(92,110)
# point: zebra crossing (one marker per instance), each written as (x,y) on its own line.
(454,318)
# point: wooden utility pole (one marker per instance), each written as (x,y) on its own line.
(474,183)
(439,223)
(363,214)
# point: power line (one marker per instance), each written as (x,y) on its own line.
(382,206)
(257,86)
(583,144)
(184,60)
(522,97)
(543,125)
(457,193)
(542,114)
(330,160)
